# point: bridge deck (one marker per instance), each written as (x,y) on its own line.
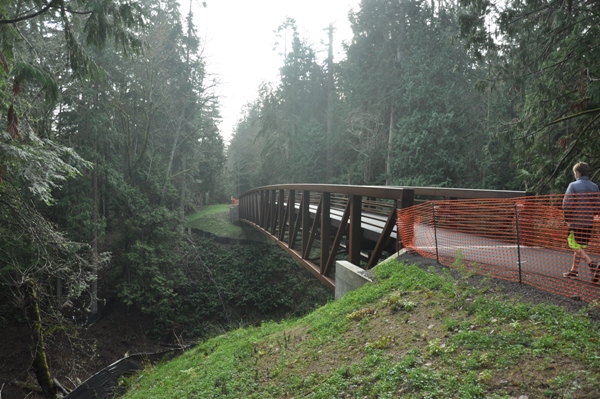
(372,224)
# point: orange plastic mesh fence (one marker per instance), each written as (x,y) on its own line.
(520,239)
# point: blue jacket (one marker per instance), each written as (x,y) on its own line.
(579,210)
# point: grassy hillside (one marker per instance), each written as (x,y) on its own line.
(215,219)
(412,333)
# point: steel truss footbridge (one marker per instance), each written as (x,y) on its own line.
(318,224)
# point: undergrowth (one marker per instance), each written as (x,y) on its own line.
(411,334)
(207,288)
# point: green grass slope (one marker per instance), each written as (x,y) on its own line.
(215,219)
(411,334)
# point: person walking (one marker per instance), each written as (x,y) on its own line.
(580,204)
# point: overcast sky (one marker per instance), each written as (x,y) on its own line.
(239,38)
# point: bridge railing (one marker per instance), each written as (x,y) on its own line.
(317,223)
(329,221)
(520,239)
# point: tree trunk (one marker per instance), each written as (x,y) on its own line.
(40,362)
(182,199)
(330,89)
(388,172)
(94,288)
(177,133)
(96,205)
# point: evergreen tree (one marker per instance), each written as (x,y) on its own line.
(414,116)
(146,127)
(149,127)
(243,153)
(41,270)
(293,118)
(546,54)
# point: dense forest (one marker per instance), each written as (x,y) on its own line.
(110,134)
(476,94)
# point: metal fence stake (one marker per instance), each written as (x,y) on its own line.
(437,252)
(518,241)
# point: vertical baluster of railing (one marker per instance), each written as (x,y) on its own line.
(281,213)
(292,216)
(263,208)
(255,207)
(268,206)
(273,211)
(355,230)
(406,201)
(305,219)
(325,229)
(256,218)
(267,200)
(248,206)
(250,209)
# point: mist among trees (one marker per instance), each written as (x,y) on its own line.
(110,129)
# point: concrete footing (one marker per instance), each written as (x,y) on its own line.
(349,277)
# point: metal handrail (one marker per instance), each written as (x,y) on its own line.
(390,192)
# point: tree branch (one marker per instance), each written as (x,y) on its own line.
(40,12)
(589,111)
(29,16)
(565,155)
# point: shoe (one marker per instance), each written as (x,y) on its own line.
(571,274)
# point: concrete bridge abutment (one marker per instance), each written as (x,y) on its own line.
(349,277)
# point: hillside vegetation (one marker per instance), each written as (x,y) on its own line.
(412,333)
(215,219)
